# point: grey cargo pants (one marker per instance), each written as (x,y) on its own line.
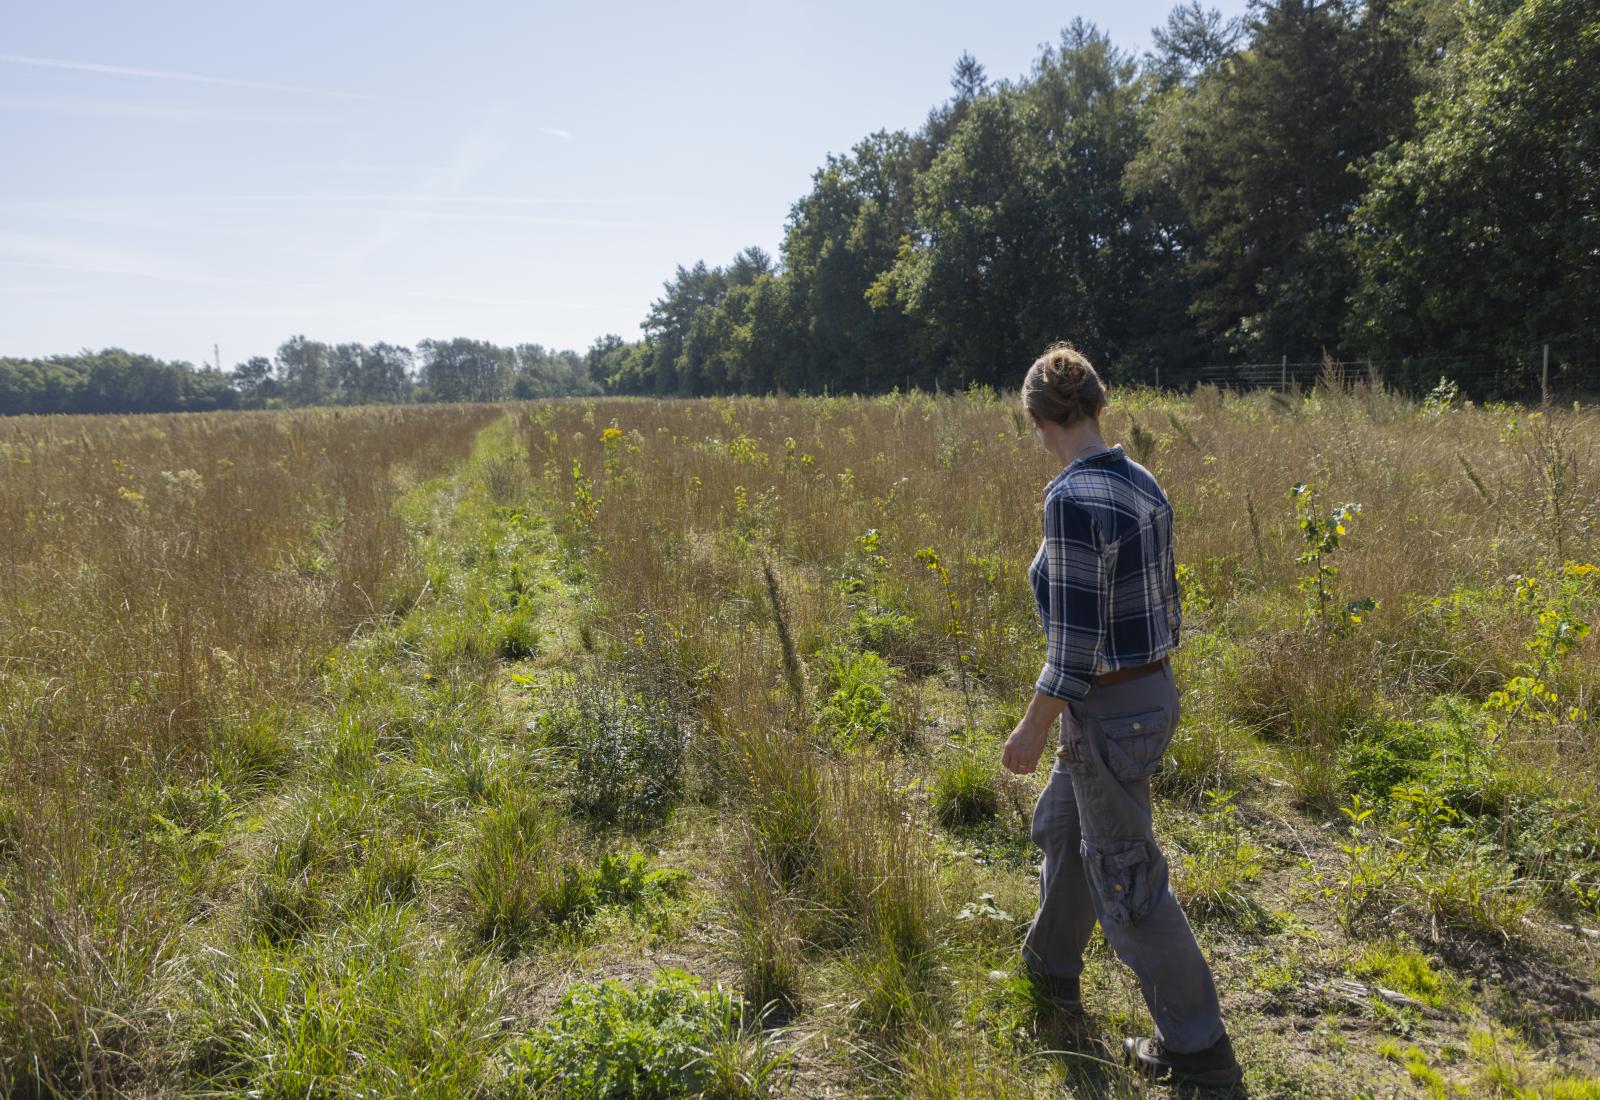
(1101,861)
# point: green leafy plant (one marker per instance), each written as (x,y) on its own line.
(857,703)
(585,503)
(669,1037)
(1364,875)
(1323,534)
(1441,399)
(1560,628)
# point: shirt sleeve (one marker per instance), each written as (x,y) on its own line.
(1075,627)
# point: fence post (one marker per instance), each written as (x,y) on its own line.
(1283,375)
(1158,377)
(1544,380)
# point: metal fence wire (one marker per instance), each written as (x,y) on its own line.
(1556,372)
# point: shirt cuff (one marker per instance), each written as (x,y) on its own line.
(1062,685)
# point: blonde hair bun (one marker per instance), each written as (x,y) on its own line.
(1062,385)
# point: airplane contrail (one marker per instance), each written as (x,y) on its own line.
(190,78)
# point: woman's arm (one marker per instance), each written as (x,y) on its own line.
(1027,741)
(1079,586)
(1074,628)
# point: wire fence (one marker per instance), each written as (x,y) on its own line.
(1554,373)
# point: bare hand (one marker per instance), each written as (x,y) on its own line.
(1024,747)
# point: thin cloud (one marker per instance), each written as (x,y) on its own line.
(186,200)
(106,108)
(556,132)
(162,276)
(187,78)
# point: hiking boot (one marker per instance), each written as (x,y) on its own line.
(1056,991)
(1213,1067)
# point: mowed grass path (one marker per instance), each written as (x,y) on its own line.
(349,751)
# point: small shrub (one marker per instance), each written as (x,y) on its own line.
(668,1037)
(1424,859)
(627,751)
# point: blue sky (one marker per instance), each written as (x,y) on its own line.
(181,175)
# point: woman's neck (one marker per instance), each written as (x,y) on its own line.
(1069,442)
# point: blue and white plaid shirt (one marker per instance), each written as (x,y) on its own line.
(1104,578)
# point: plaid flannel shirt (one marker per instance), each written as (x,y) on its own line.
(1104,577)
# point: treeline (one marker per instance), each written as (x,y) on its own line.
(1400,180)
(302,372)
(111,381)
(307,372)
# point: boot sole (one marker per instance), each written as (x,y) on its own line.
(1217,1079)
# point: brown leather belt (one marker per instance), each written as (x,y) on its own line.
(1121,674)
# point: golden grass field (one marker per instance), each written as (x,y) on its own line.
(411,751)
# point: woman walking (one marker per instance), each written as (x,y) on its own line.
(1106,588)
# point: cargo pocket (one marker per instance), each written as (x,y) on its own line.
(1119,870)
(1134,743)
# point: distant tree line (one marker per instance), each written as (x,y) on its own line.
(306,372)
(110,381)
(1398,180)
(303,372)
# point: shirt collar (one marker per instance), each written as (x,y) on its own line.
(1095,454)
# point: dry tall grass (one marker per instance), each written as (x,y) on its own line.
(171,584)
(929,507)
(693,495)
